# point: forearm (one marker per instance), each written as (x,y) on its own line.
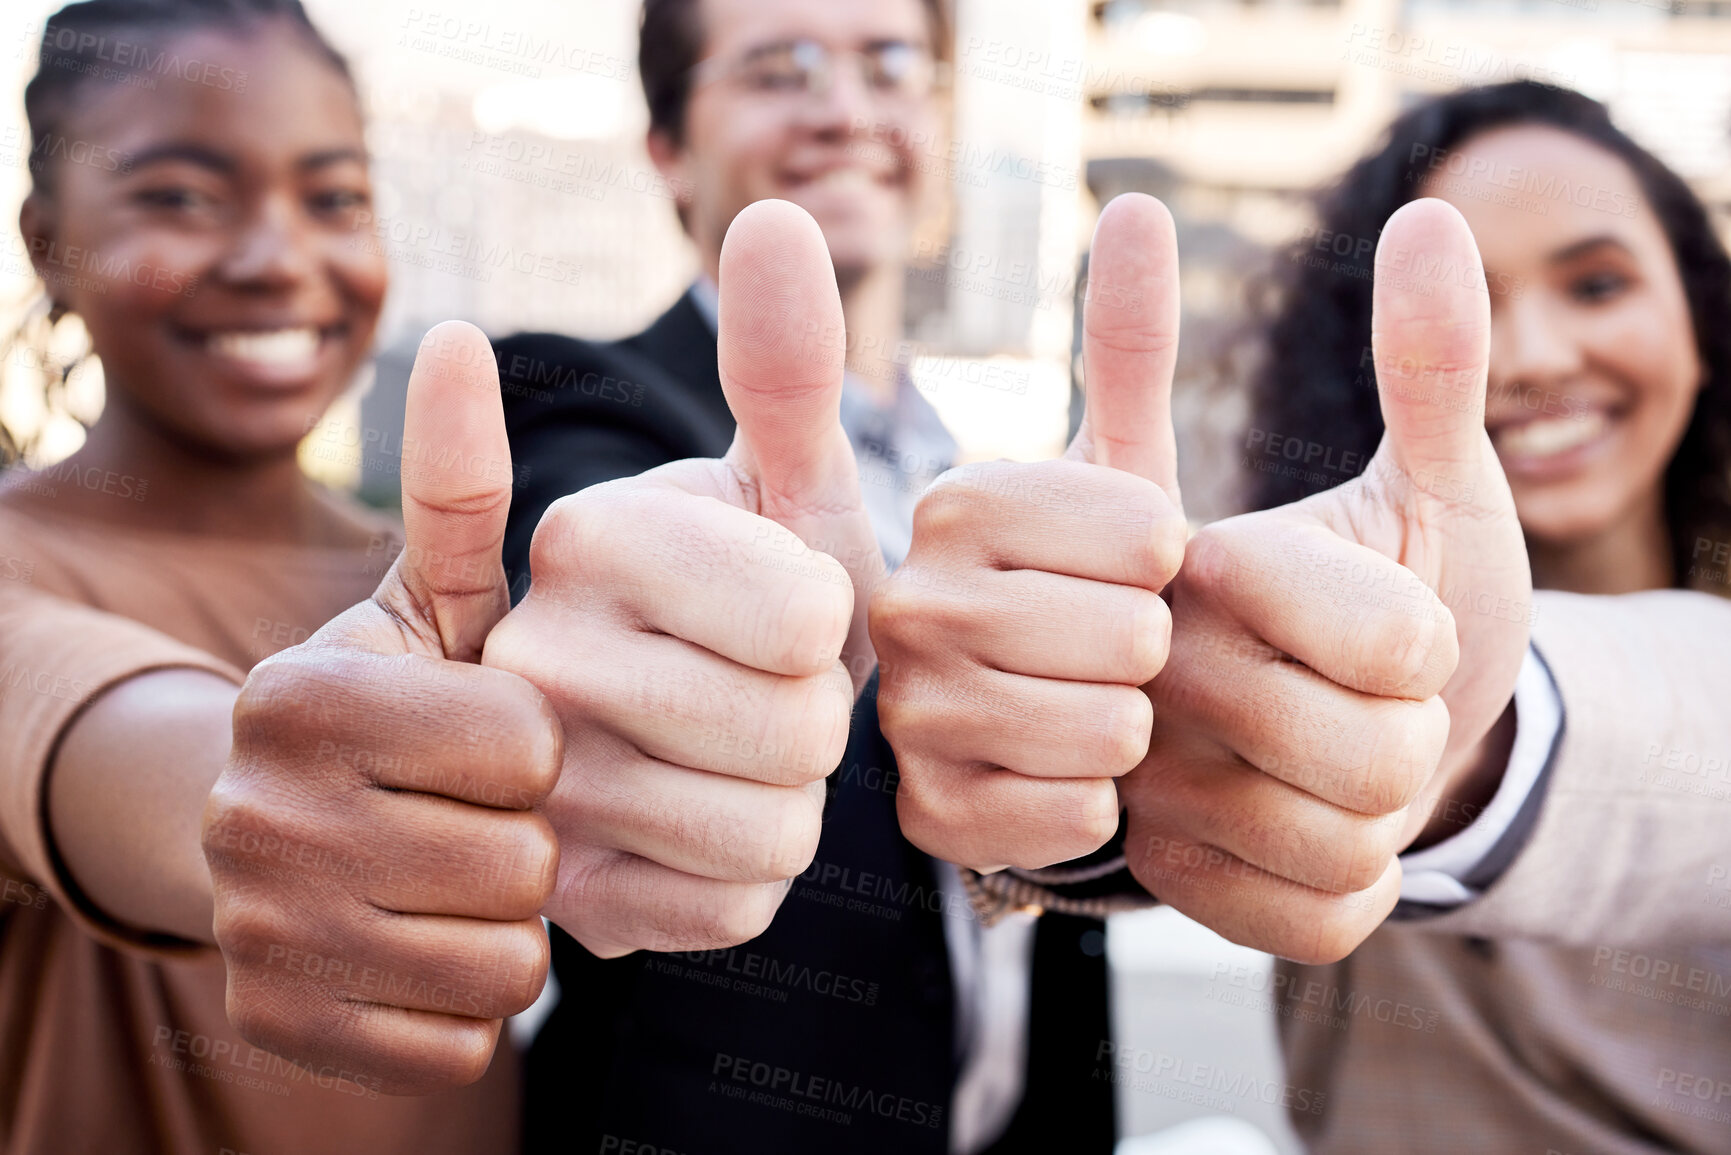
(126,795)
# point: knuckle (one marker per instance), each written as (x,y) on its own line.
(245,932)
(1334,933)
(568,539)
(743,913)
(1209,564)
(1149,638)
(467,1056)
(948,506)
(522,967)
(904,713)
(895,614)
(1369,847)
(930,814)
(237,824)
(1125,733)
(256,1019)
(1393,649)
(805,633)
(541,740)
(1404,750)
(1097,814)
(510,645)
(1085,818)
(817,712)
(274,696)
(1160,551)
(530,867)
(798,828)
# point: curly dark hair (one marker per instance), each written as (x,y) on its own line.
(1312,383)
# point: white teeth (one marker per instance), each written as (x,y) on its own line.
(1549,436)
(844,178)
(280,347)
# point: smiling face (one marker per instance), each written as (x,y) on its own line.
(214,252)
(852,158)
(1594,366)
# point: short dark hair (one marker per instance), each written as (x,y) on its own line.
(71,55)
(80,49)
(670,43)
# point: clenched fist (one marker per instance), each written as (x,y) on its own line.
(1015,639)
(375,851)
(695,628)
(1322,695)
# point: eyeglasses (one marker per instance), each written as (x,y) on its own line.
(891,70)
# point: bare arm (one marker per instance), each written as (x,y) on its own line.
(126,792)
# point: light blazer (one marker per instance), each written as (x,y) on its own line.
(1583,1004)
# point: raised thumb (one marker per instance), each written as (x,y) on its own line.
(448,587)
(1130,342)
(781,356)
(1430,340)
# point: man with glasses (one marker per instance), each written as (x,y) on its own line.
(878,995)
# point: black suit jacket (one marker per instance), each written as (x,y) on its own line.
(833,1031)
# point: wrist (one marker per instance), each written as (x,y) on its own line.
(1466,782)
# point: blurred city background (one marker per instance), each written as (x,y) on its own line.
(516,126)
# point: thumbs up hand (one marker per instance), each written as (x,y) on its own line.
(376,859)
(695,628)
(1016,637)
(1339,664)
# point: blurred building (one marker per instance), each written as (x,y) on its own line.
(1233,110)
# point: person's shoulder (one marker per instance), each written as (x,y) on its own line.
(523,354)
(552,376)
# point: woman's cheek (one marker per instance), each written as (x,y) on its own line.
(1653,350)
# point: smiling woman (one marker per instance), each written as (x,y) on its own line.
(258,304)
(1610,380)
(198,173)
(1609,407)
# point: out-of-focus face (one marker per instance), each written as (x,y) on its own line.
(214,252)
(1594,367)
(855,157)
